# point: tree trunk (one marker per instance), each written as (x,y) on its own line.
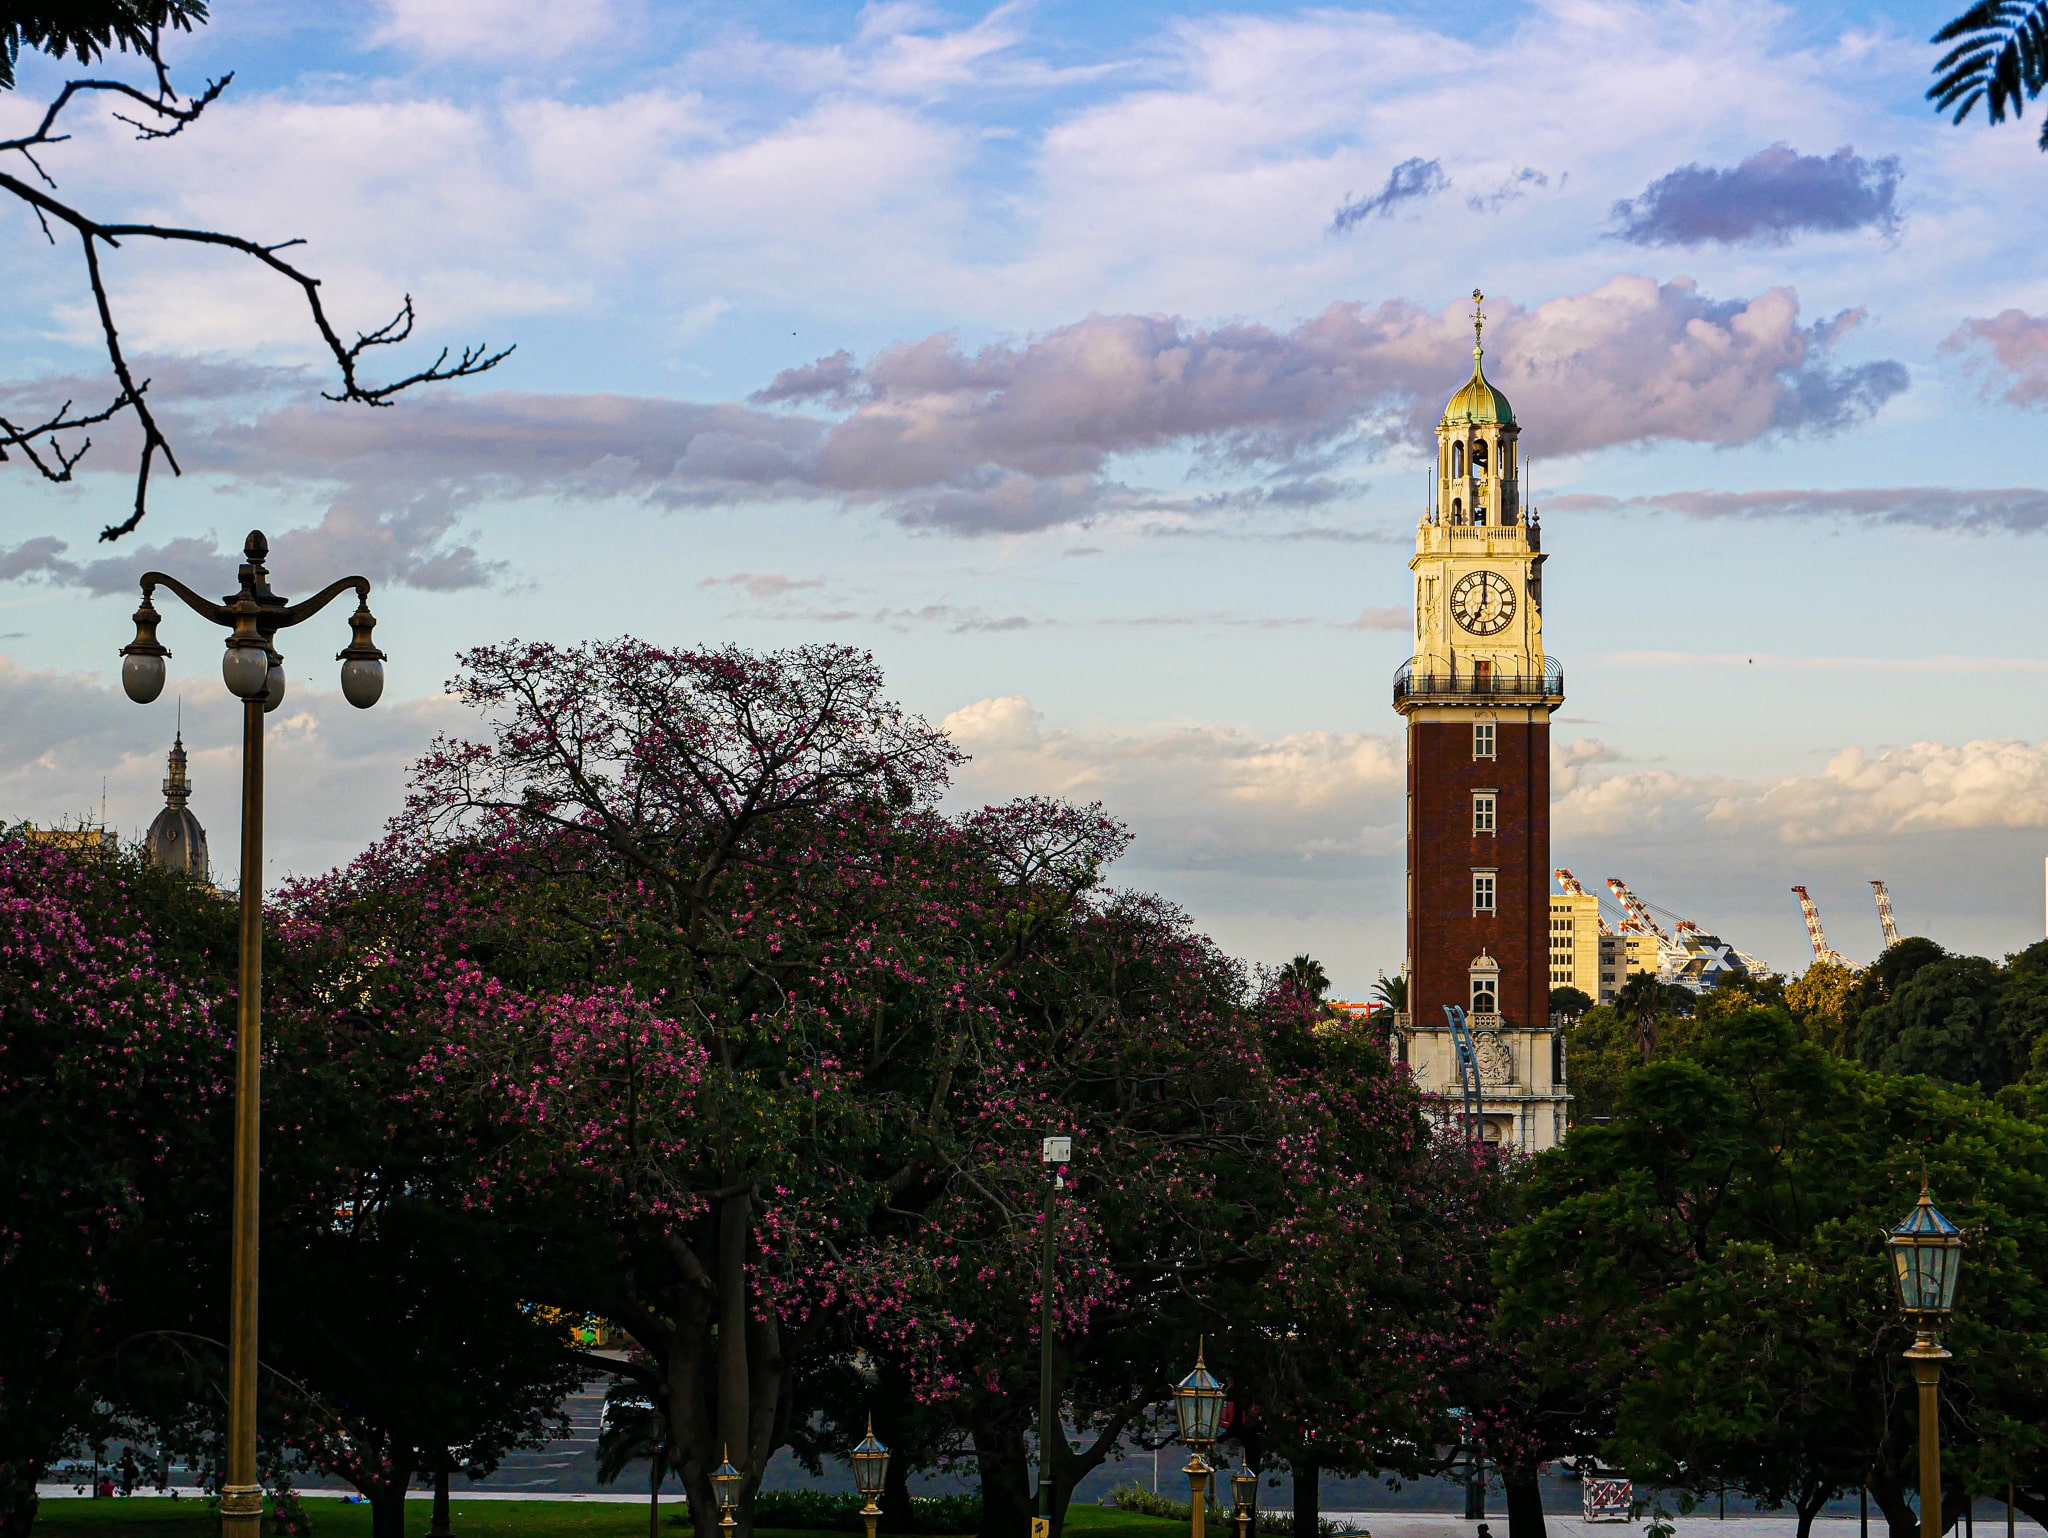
(1005,1465)
(1525,1499)
(1308,1499)
(656,1467)
(438,1527)
(896,1497)
(387,1504)
(1808,1504)
(1890,1496)
(17,1498)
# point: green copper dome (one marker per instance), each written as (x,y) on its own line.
(1478,401)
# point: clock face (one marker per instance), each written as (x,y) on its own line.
(1483,602)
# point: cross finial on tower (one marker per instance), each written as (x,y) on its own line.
(1478,323)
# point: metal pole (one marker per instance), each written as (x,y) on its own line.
(241,1498)
(1047,1426)
(1198,1500)
(1926,1355)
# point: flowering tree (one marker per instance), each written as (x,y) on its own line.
(114,1058)
(1368,1319)
(805,962)
(398,1313)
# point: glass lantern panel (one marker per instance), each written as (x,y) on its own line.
(1947,1265)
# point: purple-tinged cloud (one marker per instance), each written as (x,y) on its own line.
(2016,510)
(763,585)
(1774,195)
(1409,182)
(1023,436)
(2017,344)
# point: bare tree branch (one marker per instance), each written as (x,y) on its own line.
(166,115)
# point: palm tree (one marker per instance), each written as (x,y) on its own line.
(1392,992)
(2000,58)
(1306,975)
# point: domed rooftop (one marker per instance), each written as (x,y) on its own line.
(1477,400)
(176,841)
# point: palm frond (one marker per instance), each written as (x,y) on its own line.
(2000,58)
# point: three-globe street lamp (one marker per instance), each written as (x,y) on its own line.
(870,1474)
(1927,1252)
(1244,1488)
(1198,1406)
(254,673)
(725,1488)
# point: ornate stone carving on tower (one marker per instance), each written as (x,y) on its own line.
(175,840)
(1477,697)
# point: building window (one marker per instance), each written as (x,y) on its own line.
(1457,459)
(1482,811)
(1482,739)
(1485,996)
(1482,891)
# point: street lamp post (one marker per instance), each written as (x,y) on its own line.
(1244,1488)
(254,673)
(1198,1405)
(725,1489)
(1055,1153)
(1927,1252)
(871,1475)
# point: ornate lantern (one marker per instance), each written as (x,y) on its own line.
(1927,1253)
(725,1484)
(871,1472)
(1198,1405)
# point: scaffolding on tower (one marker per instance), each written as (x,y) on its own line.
(1884,915)
(1819,936)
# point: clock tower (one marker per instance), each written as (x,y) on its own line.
(1477,697)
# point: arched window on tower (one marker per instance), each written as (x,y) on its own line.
(1457,509)
(1479,457)
(1457,459)
(1478,511)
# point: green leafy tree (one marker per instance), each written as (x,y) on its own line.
(1711,1263)
(1823,1000)
(1999,57)
(1391,991)
(1894,967)
(1570,1001)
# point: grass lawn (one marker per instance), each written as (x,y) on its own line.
(161,1517)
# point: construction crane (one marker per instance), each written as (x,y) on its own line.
(1884,914)
(1568,884)
(1818,935)
(1633,906)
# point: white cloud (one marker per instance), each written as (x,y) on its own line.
(493,29)
(1200,796)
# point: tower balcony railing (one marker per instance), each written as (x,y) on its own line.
(1417,679)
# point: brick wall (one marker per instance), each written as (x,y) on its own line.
(1444,934)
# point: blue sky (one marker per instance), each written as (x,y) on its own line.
(1079,360)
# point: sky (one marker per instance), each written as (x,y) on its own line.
(1080,361)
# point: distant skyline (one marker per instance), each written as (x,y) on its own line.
(1079,361)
